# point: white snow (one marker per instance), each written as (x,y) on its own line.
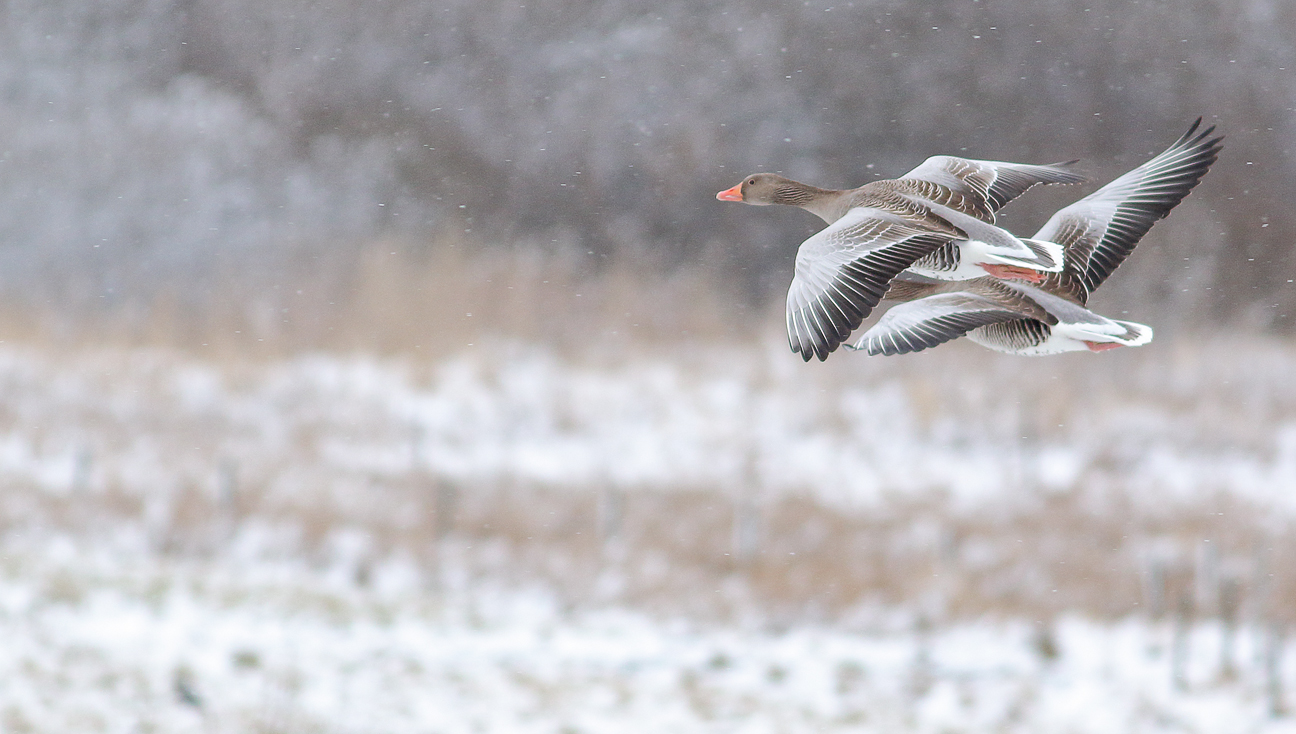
(97,641)
(125,623)
(857,433)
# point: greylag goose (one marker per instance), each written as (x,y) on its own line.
(1001,314)
(881,228)
(1096,233)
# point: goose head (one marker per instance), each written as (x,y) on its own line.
(763,189)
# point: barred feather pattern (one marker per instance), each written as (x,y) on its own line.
(975,206)
(927,334)
(980,188)
(828,301)
(1013,336)
(943,259)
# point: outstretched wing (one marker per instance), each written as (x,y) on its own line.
(981,188)
(931,321)
(844,270)
(1101,230)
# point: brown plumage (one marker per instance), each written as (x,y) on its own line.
(1096,234)
(881,228)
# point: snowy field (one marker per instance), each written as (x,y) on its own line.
(1175,422)
(391,367)
(723,539)
(118,639)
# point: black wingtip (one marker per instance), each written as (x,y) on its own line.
(1193,137)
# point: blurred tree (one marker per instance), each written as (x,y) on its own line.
(156,142)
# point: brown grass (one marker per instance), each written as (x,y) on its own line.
(673,552)
(418,300)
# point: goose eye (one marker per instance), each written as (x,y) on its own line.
(751,182)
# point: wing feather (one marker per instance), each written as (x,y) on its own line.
(981,188)
(1101,230)
(931,321)
(1013,336)
(844,271)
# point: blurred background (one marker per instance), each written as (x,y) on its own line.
(391,366)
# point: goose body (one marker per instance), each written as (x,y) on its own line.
(1096,234)
(878,230)
(968,259)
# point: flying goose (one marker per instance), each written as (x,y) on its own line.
(1004,315)
(881,228)
(1096,233)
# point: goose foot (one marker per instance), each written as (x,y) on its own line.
(1102,346)
(1012,272)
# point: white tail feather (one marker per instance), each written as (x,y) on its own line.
(1125,333)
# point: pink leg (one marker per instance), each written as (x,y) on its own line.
(1012,272)
(1102,346)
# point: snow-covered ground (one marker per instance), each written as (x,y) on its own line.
(119,639)
(1175,423)
(198,544)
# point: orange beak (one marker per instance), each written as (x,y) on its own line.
(733,194)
